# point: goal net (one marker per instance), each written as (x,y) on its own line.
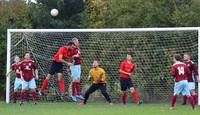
(152,50)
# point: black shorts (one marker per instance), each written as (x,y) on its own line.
(125,84)
(56,67)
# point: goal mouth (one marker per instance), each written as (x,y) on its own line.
(152,50)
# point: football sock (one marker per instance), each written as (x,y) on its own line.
(44,85)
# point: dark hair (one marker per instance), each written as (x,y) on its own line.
(129,54)
(177,57)
(70,43)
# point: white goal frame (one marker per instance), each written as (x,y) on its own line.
(9,31)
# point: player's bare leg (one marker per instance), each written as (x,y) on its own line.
(44,84)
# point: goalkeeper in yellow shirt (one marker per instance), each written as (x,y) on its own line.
(98,78)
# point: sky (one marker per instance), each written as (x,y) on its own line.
(32,1)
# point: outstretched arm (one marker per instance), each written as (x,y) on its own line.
(36,74)
(21,74)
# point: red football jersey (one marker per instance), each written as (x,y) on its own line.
(62,51)
(193,69)
(180,71)
(76,60)
(127,67)
(16,69)
(28,67)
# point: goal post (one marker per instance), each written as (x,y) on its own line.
(151,48)
(8,66)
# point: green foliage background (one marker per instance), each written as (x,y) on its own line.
(94,14)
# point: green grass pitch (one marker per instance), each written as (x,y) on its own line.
(94,109)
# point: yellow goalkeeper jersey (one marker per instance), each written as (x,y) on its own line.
(97,76)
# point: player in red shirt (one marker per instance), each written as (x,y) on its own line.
(180,72)
(126,70)
(18,81)
(192,78)
(56,67)
(28,72)
(76,71)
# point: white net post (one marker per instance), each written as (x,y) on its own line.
(8,66)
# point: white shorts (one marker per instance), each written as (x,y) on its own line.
(181,86)
(18,83)
(29,85)
(191,85)
(75,71)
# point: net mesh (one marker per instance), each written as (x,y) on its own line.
(152,53)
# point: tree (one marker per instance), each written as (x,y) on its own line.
(69,13)
(142,13)
(14,14)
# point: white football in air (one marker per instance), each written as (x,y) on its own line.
(54,12)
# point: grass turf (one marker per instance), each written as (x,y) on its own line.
(94,109)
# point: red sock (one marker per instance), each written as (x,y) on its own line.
(184,99)
(135,96)
(14,96)
(73,88)
(195,99)
(44,85)
(22,96)
(192,102)
(173,100)
(34,95)
(123,98)
(61,86)
(26,95)
(78,88)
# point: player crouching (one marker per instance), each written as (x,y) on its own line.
(27,75)
(98,78)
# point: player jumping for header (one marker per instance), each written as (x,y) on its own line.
(57,67)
